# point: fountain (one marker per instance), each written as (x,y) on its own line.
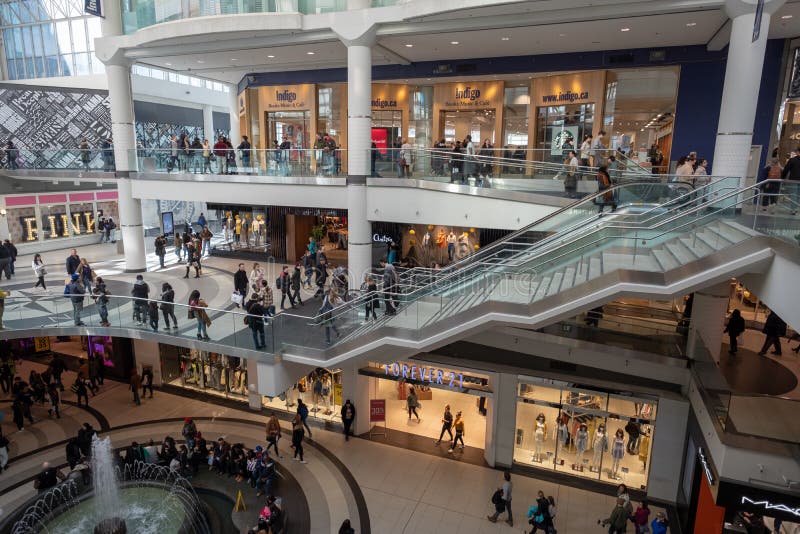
(141,499)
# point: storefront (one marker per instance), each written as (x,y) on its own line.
(320,390)
(210,372)
(60,219)
(465,391)
(593,434)
(514,113)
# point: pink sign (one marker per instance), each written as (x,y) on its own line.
(377,410)
(106,195)
(52,199)
(26,200)
(80,197)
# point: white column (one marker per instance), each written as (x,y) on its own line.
(208,123)
(233,110)
(253,396)
(359,141)
(359,389)
(120,96)
(740,92)
(708,318)
(501,420)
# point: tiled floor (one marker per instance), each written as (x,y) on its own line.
(405,491)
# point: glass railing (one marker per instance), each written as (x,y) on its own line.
(735,413)
(143,13)
(58,159)
(571,247)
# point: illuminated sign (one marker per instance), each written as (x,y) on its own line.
(566,96)
(285,96)
(467,93)
(767,506)
(382,103)
(380,238)
(431,375)
(706,466)
(58,223)
(377,410)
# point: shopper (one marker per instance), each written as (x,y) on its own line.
(297,437)
(302,411)
(255,320)
(295,285)
(81,390)
(240,284)
(161,248)
(39,271)
(309,262)
(55,400)
(390,288)
(504,499)
(152,314)
(660,524)
(284,284)
(458,426)
(147,381)
(327,314)
(197,311)
(273,433)
(734,329)
(73,261)
(178,242)
(100,295)
(371,300)
(447,424)
(140,293)
(348,416)
(167,299)
(136,383)
(412,403)
(774,329)
(76,291)
(618,520)
(641,517)
(205,235)
(189,431)
(48,478)
(86,272)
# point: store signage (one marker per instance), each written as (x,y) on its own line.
(337,395)
(58,224)
(93,7)
(477,95)
(41,344)
(285,96)
(767,506)
(381,238)
(430,375)
(382,103)
(706,466)
(566,96)
(377,410)
(288,97)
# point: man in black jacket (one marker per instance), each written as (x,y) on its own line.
(12,250)
(774,328)
(140,292)
(240,282)
(73,261)
(5,261)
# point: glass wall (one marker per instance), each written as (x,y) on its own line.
(515,117)
(591,434)
(321,390)
(44,38)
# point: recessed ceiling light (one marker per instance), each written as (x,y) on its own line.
(505,38)
(784,17)
(270,56)
(624,29)
(409,45)
(453,42)
(310,53)
(562,34)
(691,24)
(168,64)
(200,61)
(234,59)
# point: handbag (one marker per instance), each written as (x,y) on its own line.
(236,297)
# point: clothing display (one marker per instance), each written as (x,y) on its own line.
(599,446)
(617,452)
(426,240)
(562,435)
(539,434)
(581,443)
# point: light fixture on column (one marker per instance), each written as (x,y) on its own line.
(3,212)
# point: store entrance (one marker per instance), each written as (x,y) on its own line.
(387,133)
(292,126)
(561,128)
(455,125)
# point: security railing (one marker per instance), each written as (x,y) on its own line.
(58,159)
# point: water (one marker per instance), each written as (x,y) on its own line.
(104,478)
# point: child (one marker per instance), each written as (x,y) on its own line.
(153,312)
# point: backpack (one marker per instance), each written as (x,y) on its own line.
(497,496)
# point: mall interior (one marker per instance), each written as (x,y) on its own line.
(582,331)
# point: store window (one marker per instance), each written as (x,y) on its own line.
(209,372)
(22,225)
(420,127)
(54,223)
(591,434)
(515,117)
(321,390)
(561,128)
(108,209)
(82,218)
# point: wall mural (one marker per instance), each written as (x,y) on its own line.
(155,135)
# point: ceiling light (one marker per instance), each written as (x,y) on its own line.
(234,59)
(453,42)
(641,130)
(270,56)
(505,38)
(168,64)
(409,45)
(785,17)
(310,53)
(200,61)
(624,29)
(691,24)
(562,34)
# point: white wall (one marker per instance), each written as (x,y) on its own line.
(668,449)
(776,287)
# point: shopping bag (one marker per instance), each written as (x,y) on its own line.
(236,297)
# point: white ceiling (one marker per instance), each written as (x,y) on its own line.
(671,29)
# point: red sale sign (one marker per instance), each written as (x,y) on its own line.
(377,410)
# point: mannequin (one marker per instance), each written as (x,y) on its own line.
(599,445)
(426,240)
(451,245)
(617,451)
(562,433)
(238,230)
(257,230)
(581,443)
(228,226)
(539,435)
(245,227)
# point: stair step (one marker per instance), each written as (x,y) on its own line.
(514,289)
(595,267)
(680,252)
(734,235)
(713,240)
(568,279)
(582,272)
(613,261)
(542,290)
(665,259)
(697,246)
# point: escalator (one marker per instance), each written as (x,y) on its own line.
(656,244)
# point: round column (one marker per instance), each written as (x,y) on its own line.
(742,84)
(359,142)
(208,123)
(233,110)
